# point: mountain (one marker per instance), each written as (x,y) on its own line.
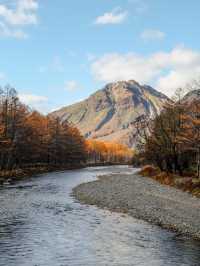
(110,113)
(192,96)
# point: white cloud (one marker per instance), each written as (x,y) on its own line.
(115,67)
(37,102)
(167,71)
(116,16)
(23,14)
(8,32)
(177,79)
(12,19)
(71,85)
(152,34)
(32,99)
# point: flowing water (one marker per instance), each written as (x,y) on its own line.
(41,224)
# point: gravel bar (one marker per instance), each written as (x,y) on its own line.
(146,199)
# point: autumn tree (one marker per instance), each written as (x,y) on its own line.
(108,152)
(28,138)
(172,140)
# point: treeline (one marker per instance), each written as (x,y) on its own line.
(107,152)
(172,140)
(28,138)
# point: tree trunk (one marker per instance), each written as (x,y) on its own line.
(198,162)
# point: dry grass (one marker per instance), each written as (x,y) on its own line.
(149,170)
(187,184)
(18,174)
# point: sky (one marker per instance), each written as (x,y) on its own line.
(56,53)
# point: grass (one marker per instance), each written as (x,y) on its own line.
(189,184)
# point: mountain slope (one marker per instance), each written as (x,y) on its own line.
(109,114)
(192,96)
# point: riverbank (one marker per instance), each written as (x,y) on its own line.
(15,175)
(146,199)
(12,176)
(187,183)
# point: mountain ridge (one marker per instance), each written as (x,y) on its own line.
(192,95)
(109,113)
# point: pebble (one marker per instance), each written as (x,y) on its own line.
(145,199)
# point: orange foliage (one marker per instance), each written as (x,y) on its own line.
(102,151)
(30,138)
(149,170)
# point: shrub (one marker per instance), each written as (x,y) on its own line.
(150,171)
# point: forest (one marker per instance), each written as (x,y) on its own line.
(170,144)
(101,151)
(30,140)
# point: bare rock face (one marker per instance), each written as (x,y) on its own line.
(110,113)
(192,96)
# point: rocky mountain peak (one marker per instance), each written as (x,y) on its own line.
(192,96)
(110,113)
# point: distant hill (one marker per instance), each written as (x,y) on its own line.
(110,113)
(191,96)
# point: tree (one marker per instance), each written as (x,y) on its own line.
(28,138)
(172,140)
(108,152)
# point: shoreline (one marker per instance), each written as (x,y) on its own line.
(20,174)
(146,199)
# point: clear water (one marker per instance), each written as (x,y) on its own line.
(42,225)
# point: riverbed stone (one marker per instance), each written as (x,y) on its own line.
(144,198)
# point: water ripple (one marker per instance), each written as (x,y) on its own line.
(42,225)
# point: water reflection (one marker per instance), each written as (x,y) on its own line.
(41,224)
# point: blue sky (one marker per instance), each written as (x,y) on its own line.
(58,52)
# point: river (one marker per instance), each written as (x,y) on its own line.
(41,224)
